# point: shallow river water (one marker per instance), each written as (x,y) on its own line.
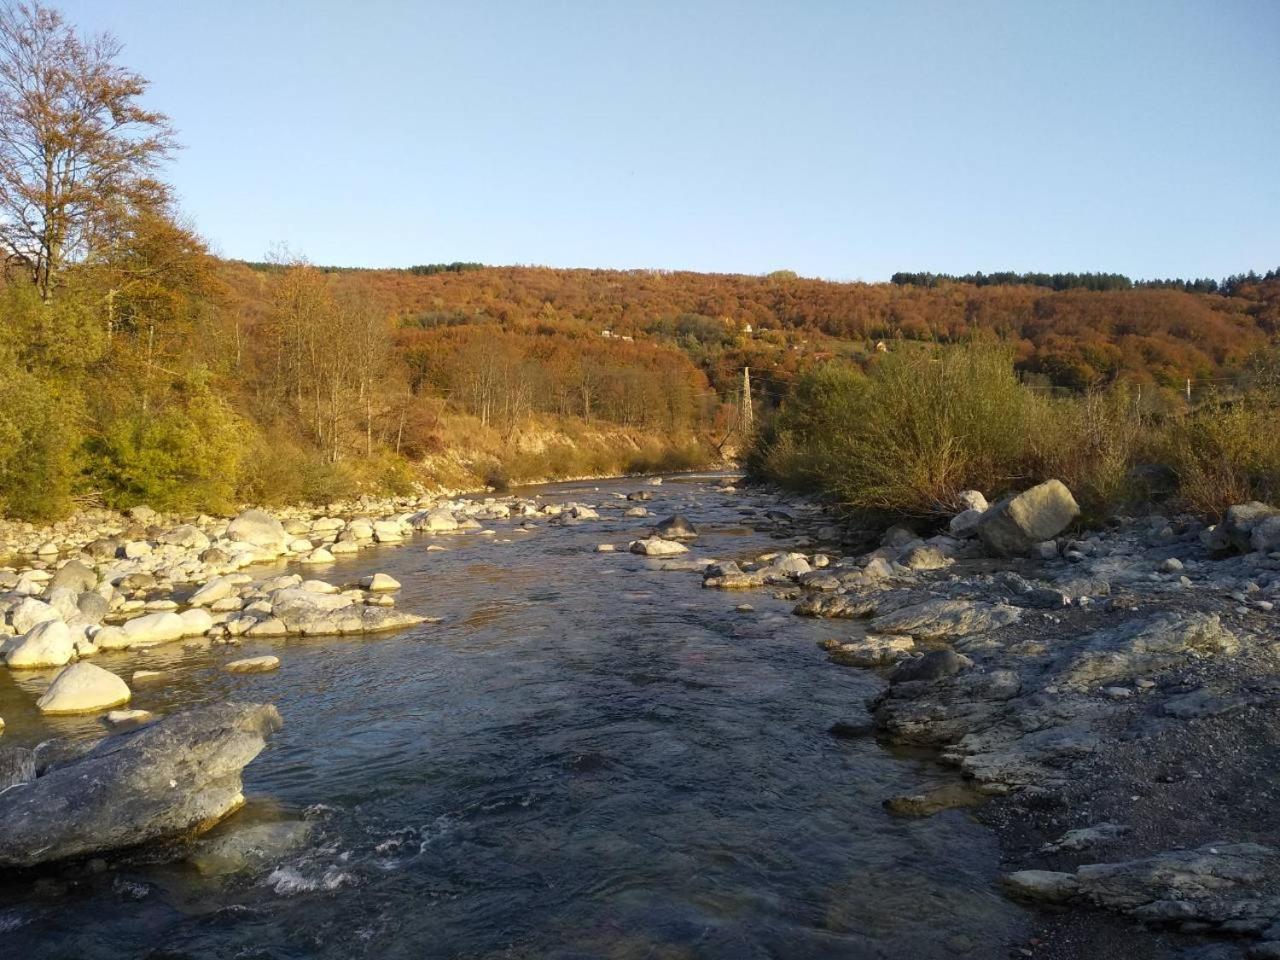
(586,757)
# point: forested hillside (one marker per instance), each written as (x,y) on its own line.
(1073,337)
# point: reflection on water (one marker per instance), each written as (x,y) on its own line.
(587,757)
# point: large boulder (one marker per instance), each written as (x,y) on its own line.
(258,528)
(163,627)
(47,644)
(174,778)
(84,688)
(1015,525)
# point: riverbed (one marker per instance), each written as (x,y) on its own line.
(587,756)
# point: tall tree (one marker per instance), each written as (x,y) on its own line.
(78,152)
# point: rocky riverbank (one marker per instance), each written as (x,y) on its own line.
(109,584)
(1112,695)
(1107,698)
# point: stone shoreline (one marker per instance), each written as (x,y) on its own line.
(1108,699)
(1109,702)
(104,582)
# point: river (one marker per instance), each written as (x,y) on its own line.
(585,757)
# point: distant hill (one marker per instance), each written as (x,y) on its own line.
(1073,337)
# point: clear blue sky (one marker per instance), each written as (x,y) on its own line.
(838,139)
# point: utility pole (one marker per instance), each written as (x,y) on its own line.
(746,417)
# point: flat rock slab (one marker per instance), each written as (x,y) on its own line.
(1216,884)
(938,619)
(254,665)
(174,778)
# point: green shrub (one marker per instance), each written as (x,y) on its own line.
(1225,453)
(909,435)
(39,446)
(186,457)
(1091,443)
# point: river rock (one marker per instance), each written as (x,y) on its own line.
(676,527)
(1235,532)
(28,612)
(92,606)
(176,777)
(219,588)
(83,688)
(17,765)
(1014,525)
(47,644)
(153,628)
(873,650)
(316,614)
(263,664)
(436,521)
(196,622)
(837,605)
(1145,647)
(74,576)
(387,531)
(1213,884)
(233,848)
(965,523)
(380,582)
(258,528)
(936,619)
(925,556)
(657,547)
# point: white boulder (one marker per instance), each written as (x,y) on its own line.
(84,688)
(47,644)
